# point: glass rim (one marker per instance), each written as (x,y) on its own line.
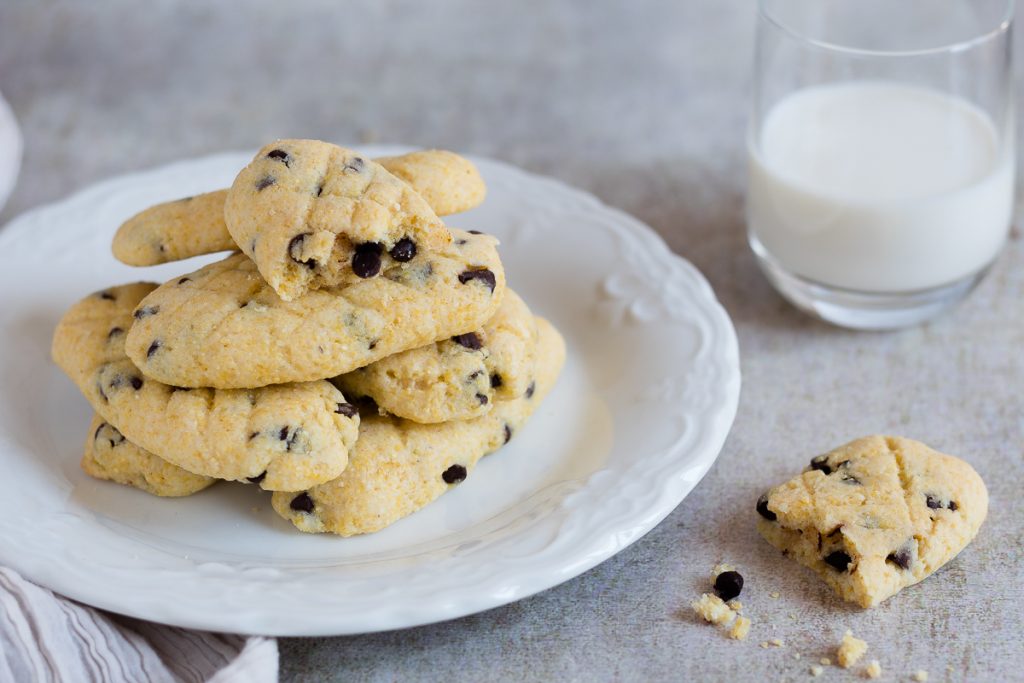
(1002,27)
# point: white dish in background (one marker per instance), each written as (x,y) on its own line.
(10,151)
(640,413)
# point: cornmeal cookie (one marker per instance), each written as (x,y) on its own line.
(108,455)
(457,378)
(192,226)
(876,515)
(223,326)
(311,214)
(285,437)
(399,466)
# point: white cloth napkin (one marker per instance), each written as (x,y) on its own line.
(46,637)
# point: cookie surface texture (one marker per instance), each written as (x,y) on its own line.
(399,466)
(283,437)
(193,226)
(223,326)
(458,378)
(110,456)
(311,214)
(876,515)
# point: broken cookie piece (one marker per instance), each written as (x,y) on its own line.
(850,650)
(876,515)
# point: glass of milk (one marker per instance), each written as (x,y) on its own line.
(881,153)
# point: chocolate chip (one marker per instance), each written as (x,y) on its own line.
(762,508)
(903,556)
(460,242)
(258,478)
(295,250)
(728,585)
(280,155)
(482,399)
(820,462)
(107,296)
(474,232)
(114,331)
(145,312)
(283,434)
(184,280)
(302,503)
(530,389)
(469,340)
(356,165)
(153,348)
(953,506)
(838,560)
(265,182)
(483,275)
(346,409)
(495,381)
(366,261)
(136,383)
(454,474)
(508,433)
(932,502)
(404,250)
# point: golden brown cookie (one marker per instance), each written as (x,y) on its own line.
(285,437)
(223,326)
(399,466)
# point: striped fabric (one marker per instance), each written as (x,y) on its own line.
(45,637)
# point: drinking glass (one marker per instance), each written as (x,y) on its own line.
(881,153)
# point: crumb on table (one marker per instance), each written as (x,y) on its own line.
(873,669)
(740,628)
(712,609)
(921,675)
(817,670)
(850,650)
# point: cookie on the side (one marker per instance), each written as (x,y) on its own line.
(110,456)
(458,378)
(286,437)
(876,515)
(223,326)
(398,466)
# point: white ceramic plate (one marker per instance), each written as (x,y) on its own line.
(639,415)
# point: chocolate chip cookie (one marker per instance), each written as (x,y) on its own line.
(223,326)
(286,437)
(457,378)
(399,466)
(876,515)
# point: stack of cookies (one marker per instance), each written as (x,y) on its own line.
(356,358)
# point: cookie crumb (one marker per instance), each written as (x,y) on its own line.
(873,669)
(920,675)
(777,642)
(735,605)
(825,661)
(850,650)
(764,644)
(712,609)
(773,595)
(740,628)
(817,671)
(796,655)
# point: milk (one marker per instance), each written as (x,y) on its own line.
(879,187)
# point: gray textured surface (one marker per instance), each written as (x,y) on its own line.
(643,104)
